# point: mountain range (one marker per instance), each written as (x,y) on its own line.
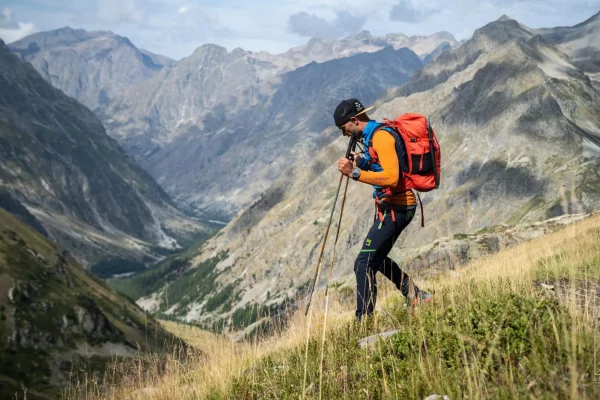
(321,50)
(519,127)
(215,134)
(162,111)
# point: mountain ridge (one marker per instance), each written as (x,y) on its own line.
(92,67)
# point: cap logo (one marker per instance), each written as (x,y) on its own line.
(359,107)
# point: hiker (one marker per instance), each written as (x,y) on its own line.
(382,166)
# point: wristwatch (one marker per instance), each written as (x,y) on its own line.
(355,173)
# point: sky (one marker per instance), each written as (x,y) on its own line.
(175,28)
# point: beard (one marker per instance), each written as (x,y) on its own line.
(354,133)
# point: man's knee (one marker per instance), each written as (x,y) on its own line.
(368,259)
(360,262)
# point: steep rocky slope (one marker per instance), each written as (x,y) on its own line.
(519,126)
(57,319)
(57,160)
(91,67)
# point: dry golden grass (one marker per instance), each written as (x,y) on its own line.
(555,258)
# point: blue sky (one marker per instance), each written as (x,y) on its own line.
(175,28)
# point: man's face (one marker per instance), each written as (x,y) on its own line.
(350,128)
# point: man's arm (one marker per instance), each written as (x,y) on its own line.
(385,147)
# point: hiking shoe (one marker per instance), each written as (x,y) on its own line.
(421,298)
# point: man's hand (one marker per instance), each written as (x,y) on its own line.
(356,157)
(345,166)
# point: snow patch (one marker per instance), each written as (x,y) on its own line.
(125,275)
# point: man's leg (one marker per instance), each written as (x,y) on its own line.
(392,270)
(376,247)
(366,286)
(389,268)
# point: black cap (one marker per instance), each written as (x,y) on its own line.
(347,109)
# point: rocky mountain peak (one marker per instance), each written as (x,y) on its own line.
(445,35)
(92,67)
(504,18)
(502,31)
(210,49)
(65,36)
(210,95)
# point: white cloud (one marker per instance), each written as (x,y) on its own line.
(183,10)
(405,11)
(121,11)
(11,35)
(11,30)
(311,25)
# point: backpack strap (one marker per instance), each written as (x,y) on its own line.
(380,214)
(369,136)
(422,215)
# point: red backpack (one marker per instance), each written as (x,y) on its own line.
(422,151)
(423,155)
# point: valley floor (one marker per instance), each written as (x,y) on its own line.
(518,324)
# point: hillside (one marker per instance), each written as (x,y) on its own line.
(56,319)
(505,326)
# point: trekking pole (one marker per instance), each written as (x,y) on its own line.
(337,235)
(351,148)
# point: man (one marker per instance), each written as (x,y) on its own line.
(382,166)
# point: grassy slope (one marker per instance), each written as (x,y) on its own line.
(492,331)
(61,292)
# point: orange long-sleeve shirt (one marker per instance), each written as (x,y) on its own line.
(385,147)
